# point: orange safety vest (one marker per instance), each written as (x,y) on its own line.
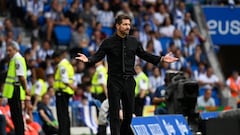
(235,87)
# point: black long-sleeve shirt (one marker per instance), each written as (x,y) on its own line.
(121,54)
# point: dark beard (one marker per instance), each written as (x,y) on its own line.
(124,33)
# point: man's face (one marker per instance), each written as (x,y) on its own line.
(124,27)
(10,51)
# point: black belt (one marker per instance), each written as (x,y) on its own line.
(122,76)
(16,83)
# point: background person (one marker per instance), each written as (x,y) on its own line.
(16,85)
(64,87)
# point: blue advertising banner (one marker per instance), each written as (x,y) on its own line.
(160,125)
(209,115)
(223,24)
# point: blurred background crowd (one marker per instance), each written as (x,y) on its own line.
(42,26)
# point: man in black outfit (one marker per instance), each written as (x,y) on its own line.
(121,50)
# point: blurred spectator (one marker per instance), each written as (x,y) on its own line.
(180,12)
(103,118)
(79,71)
(31,65)
(186,25)
(6,117)
(31,127)
(78,94)
(181,64)
(155,80)
(99,82)
(141,89)
(163,69)
(9,27)
(116,6)
(206,100)
(209,78)
(149,47)
(88,15)
(135,6)
(167,28)
(2,47)
(126,10)
(161,14)
(50,124)
(146,19)
(197,57)
(233,82)
(199,39)
(34,14)
(35,47)
(144,35)
(178,39)
(105,16)
(190,45)
(200,71)
(53,17)
(80,39)
(45,51)
(72,13)
(156,43)
(39,88)
(99,27)
(159,99)
(95,42)
(172,48)
(150,11)
(51,93)
(17,8)
(147,68)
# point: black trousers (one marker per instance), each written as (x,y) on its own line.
(62,100)
(2,125)
(49,130)
(139,104)
(16,111)
(121,88)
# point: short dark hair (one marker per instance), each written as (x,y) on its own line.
(121,17)
(57,54)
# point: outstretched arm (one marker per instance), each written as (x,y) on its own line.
(99,55)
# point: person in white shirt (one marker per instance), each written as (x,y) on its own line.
(160,15)
(167,29)
(206,100)
(155,80)
(105,16)
(186,25)
(34,11)
(209,78)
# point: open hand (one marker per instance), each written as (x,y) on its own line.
(169,58)
(81,57)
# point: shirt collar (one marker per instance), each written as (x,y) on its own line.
(116,36)
(16,54)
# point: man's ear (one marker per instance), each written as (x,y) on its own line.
(117,25)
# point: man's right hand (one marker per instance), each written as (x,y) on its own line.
(81,57)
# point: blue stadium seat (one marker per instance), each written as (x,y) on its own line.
(46,8)
(62,34)
(107,30)
(89,31)
(37,118)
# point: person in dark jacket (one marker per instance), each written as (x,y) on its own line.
(121,49)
